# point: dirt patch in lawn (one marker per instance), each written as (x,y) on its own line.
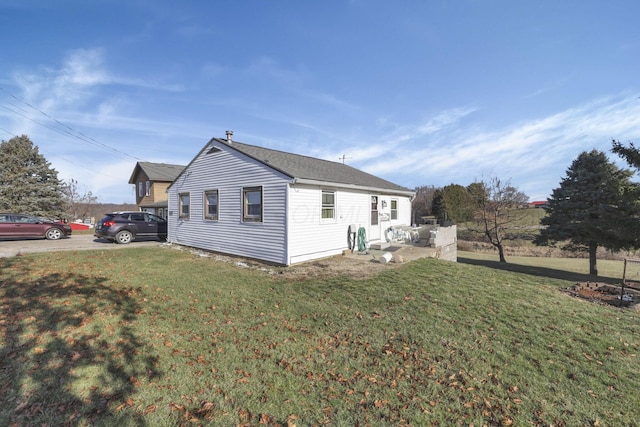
(604,293)
(352,264)
(360,266)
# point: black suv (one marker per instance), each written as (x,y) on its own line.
(123,227)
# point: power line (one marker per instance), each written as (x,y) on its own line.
(49,155)
(71,132)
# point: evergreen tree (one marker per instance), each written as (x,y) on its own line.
(437,205)
(452,203)
(630,153)
(595,206)
(28,183)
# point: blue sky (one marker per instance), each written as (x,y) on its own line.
(416,92)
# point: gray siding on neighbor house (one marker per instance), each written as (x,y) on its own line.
(229,172)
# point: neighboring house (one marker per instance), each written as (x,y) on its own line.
(538,204)
(151,181)
(279,207)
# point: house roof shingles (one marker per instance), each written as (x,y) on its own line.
(304,167)
(157,171)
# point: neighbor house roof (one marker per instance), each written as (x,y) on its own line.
(162,172)
(310,168)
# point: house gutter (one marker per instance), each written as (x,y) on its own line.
(379,190)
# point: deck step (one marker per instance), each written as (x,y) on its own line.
(379,245)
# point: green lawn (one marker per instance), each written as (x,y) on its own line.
(159,337)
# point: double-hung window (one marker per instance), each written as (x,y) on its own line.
(185,204)
(394,208)
(328,211)
(211,204)
(148,188)
(140,193)
(252,204)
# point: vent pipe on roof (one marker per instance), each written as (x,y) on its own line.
(229,135)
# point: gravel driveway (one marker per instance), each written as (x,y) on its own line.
(9,248)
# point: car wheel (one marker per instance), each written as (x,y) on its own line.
(124,237)
(53,234)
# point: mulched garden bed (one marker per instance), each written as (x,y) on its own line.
(605,293)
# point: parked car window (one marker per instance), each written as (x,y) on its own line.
(155,218)
(5,218)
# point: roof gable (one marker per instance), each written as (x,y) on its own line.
(163,172)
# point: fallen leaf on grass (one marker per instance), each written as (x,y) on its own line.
(150,408)
(175,407)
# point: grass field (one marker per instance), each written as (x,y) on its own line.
(160,337)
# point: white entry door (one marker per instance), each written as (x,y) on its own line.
(374,228)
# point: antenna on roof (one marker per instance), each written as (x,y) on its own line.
(343,158)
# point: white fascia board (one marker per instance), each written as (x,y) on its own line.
(377,190)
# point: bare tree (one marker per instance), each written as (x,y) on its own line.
(79,203)
(499,207)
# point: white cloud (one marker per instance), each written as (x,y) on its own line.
(537,150)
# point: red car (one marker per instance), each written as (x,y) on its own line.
(19,226)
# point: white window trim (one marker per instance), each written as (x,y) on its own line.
(334,207)
(392,210)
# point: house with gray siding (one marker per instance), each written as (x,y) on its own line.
(279,207)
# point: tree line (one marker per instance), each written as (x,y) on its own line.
(595,205)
